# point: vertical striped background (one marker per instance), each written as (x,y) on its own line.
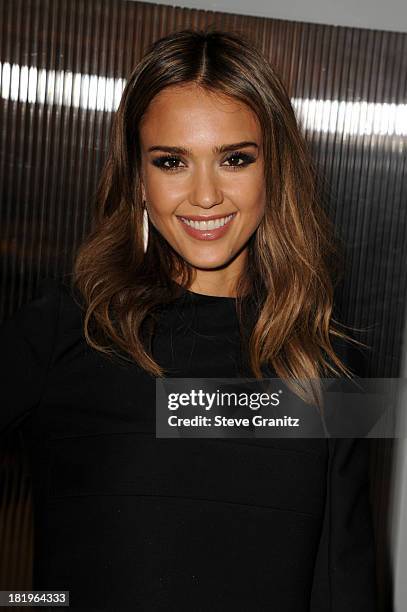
(63,66)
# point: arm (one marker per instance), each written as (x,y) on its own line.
(26,348)
(345,570)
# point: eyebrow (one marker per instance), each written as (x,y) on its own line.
(217,149)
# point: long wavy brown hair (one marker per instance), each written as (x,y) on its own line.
(294,259)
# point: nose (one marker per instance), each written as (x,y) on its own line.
(205,191)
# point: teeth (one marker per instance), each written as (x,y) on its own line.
(207,225)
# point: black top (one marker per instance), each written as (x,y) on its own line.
(125,520)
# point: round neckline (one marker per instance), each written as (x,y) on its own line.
(204,296)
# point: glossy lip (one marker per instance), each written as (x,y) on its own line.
(208,234)
(204,217)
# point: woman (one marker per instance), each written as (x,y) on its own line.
(233,278)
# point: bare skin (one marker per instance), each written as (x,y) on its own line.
(203,182)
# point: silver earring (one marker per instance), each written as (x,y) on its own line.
(145,229)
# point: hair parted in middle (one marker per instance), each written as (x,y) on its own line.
(293,258)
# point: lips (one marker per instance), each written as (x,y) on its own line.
(206,233)
(204,217)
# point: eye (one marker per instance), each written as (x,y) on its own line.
(160,161)
(247,159)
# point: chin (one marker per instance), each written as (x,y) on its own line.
(205,263)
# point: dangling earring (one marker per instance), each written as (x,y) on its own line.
(145,227)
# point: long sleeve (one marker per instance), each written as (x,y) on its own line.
(345,570)
(26,342)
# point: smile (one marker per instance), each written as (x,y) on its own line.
(211,224)
(207,230)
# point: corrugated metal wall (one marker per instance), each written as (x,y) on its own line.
(63,67)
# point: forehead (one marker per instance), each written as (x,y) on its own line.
(190,115)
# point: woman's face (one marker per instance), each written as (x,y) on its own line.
(187,177)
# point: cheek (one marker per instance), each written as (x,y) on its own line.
(159,212)
(252,201)
(163,195)
(247,189)
(158,196)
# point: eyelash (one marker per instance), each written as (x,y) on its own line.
(159,161)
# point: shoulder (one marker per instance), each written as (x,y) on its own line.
(355,357)
(53,304)
(31,341)
(56,290)
(59,295)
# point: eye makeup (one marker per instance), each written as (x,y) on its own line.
(160,161)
